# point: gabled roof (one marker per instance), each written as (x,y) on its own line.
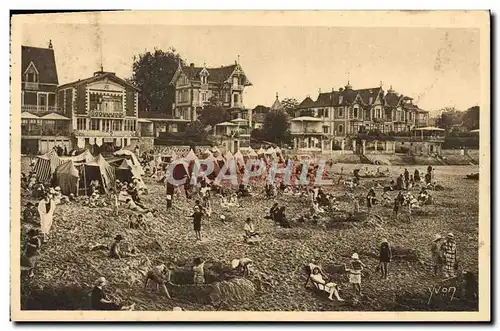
(392,99)
(328,99)
(366,93)
(306,103)
(44,61)
(215,75)
(348,95)
(55,116)
(100,76)
(260,109)
(277,105)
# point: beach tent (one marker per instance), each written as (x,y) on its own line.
(100,170)
(86,156)
(251,152)
(261,151)
(66,176)
(191,156)
(46,165)
(277,150)
(270,151)
(125,171)
(130,155)
(203,166)
(180,169)
(228,155)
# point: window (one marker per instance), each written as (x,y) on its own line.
(31,77)
(129,125)
(52,99)
(95,124)
(236,81)
(81,124)
(106,125)
(203,97)
(341,112)
(204,79)
(226,97)
(235,98)
(326,129)
(42,99)
(355,113)
(341,129)
(117,125)
(326,113)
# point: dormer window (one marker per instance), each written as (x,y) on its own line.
(236,81)
(204,79)
(31,74)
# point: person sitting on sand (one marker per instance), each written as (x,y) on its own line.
(272,212)
(281,219)
(371,198)
(316,209)
(331,288)
(130,204)
(249,229)
(138,222)
(423,196)
(31,250)
(158,275)
(100,300)
(115,251)
(198,271)
(242,265)
(386,199)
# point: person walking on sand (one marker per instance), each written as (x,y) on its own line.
(437,260)
(385,257)
(46,208)
(197,215)
(355,273)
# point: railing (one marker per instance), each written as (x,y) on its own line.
(43,132)
(159,115)
(98,133)
(114,114)
(31,85)
(38,108)
(147,134)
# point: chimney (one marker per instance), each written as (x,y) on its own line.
(50,44)
(191,65)
(319,90)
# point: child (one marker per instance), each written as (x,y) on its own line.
(355,273)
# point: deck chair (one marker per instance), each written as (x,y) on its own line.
(318,288)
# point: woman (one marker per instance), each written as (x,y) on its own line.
(355,273)
(115,250)
(46,208)
(250,229)
(416,176)
(330,288)
(199,271)
(272,212)
(385,257)
(197,215)
(280,218)
(31,249)
(100,300)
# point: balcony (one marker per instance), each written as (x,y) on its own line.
(107,114)
(98,133)
(38,108)
(31,86)
(235,87)
(44,132)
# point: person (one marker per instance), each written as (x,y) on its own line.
(386,198)
(206,206)
(130,204)
(100,300)
(281,219)
(46,208)
(31,249)
(59,197)
(355,273)
(115,250)
(449,252)
(428,178)
(158,275)
(416,176)
(272,212)
(30,213)
(399,183)
(385,257)
(199,271)
(437,260)
(250,228)
(370,198)
(242,265)
(331,288)
(170,188)
(406,177)
(197,215)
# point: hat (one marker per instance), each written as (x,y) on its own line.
(57,188)
(119,237)
(384,240)
(235,263)
(355,256)
(52,191)
(101,281)
(248,219)
(450,235)
(222,217)
(437,237)
(94,194)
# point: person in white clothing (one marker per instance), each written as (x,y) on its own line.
(331,288)
(46,208)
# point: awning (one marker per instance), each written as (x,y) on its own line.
(226,124)
(429,128)
(26,115)
(55,116)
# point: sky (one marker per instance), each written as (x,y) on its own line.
(437,67)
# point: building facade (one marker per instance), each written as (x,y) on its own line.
(43,124)
(195,86)
(347,112)
(103,110)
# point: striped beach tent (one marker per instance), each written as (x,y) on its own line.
(46,165)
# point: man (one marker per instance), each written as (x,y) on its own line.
(436,254)
(449,251)
(158,276)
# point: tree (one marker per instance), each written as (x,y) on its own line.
(214,114)
(152,73)
(471,118)
(277,128)
(289,105)
(257,134)
(448,118)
